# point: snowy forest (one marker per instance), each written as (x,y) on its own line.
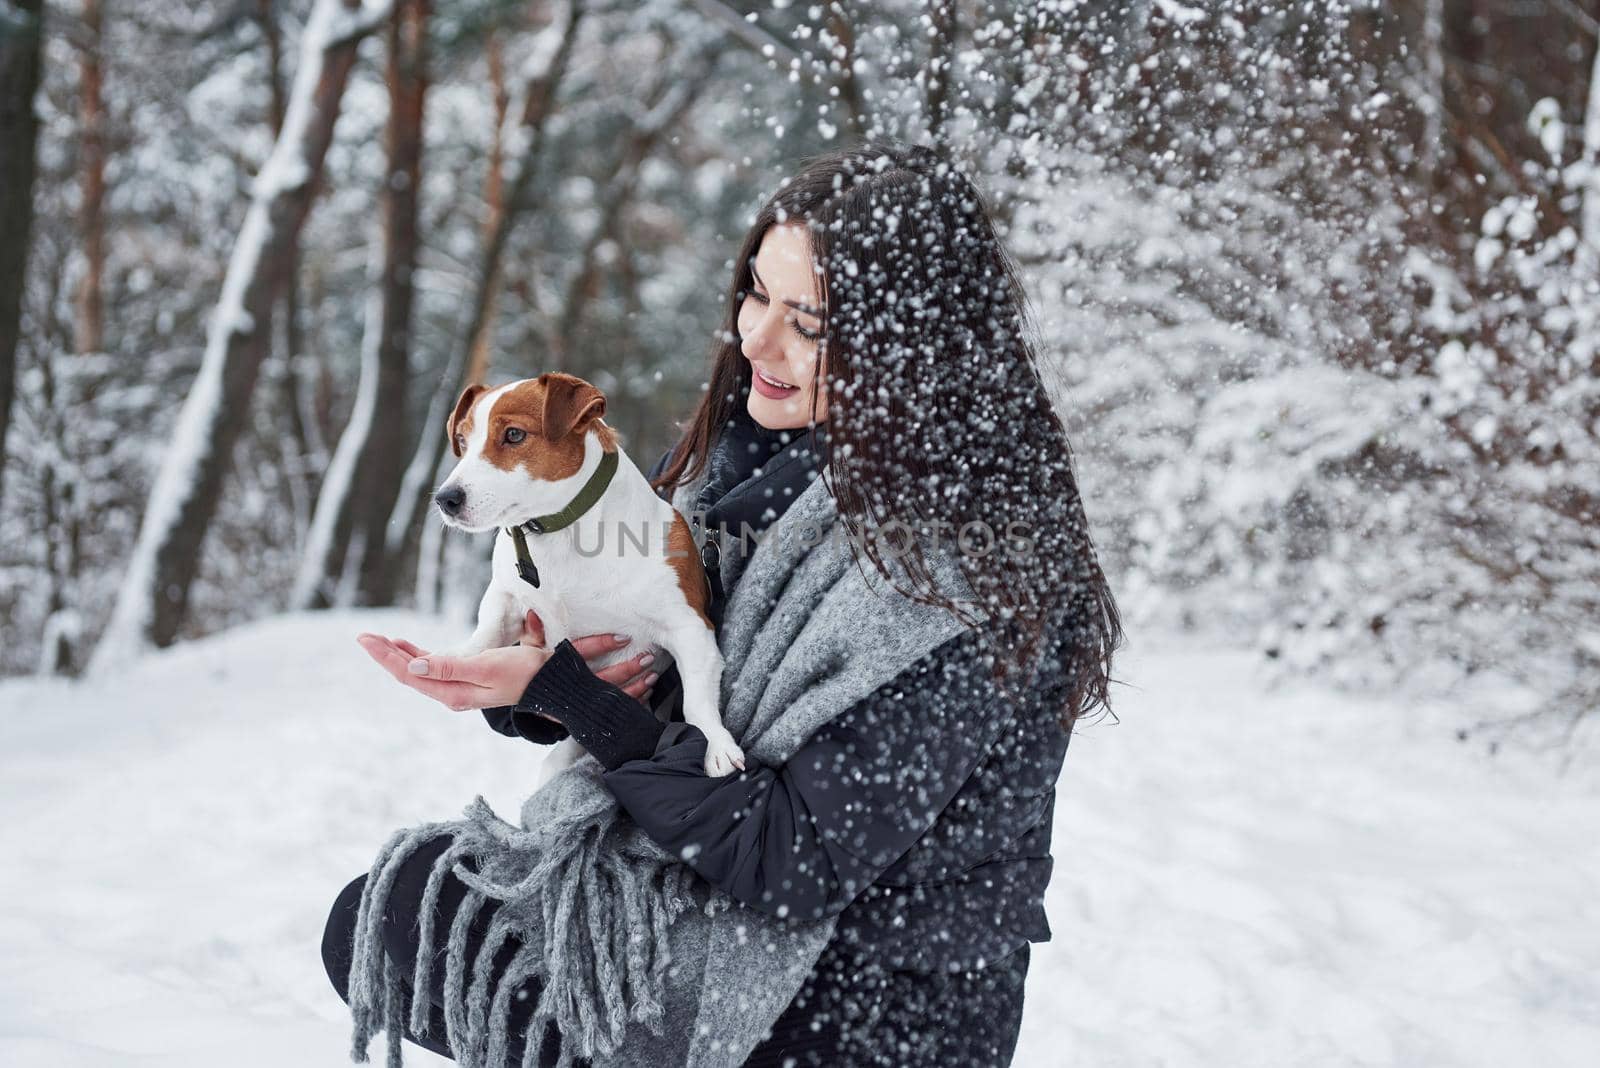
(1313,279)
(1317,284)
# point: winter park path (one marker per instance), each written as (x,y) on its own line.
(1242,877)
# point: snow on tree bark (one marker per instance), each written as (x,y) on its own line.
(153,599)
(348,527)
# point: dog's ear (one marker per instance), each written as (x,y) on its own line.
(570,403)
(463,406)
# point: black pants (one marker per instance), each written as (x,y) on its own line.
(850,1010)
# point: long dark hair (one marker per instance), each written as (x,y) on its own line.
(936,408)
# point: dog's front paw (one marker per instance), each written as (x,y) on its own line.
(461,650)
(723,754)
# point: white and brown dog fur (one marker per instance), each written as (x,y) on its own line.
(657,595)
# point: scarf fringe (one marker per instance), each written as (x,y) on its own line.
(374,980)
(422,977)
(597,945)
(455,1004)
(478,992)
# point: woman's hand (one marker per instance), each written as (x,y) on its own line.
(498,677)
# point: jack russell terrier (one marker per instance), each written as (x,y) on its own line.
(584,542)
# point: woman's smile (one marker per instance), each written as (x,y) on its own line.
(768,386)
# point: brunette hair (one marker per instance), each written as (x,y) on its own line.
(936,408)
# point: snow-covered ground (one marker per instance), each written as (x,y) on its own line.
(1242,877)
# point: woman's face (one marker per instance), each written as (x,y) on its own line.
(779,331)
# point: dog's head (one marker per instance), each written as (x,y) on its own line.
(521,447)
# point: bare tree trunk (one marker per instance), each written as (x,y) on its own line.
(20,60)
(68,511)
(153,600)
(386,457)
(541,80)
(364,476)
(283,366)
(494,196)
(89,326)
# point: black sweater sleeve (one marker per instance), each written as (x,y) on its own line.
(571,699)
(514,721)
(804,839)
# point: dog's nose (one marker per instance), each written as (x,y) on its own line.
(450,499)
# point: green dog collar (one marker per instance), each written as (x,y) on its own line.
(586,499)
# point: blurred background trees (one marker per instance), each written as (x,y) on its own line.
(1317,286)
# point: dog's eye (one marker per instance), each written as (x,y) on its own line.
(514,436)
(461,443)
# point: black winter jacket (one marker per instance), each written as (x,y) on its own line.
(933,850)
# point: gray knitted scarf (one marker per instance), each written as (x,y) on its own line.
(643,963)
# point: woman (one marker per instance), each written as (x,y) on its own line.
(876,339)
